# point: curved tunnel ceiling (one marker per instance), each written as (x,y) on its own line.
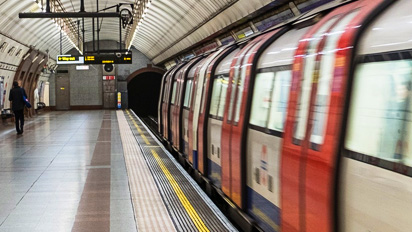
(165,28)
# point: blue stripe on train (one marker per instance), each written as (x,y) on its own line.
(263,211)
(195,166)
(215,173)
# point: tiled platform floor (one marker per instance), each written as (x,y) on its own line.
(65,173)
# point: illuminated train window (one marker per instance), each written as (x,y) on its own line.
(321,73)
(270,98)
(217,104)
(174,92)
(188,93)
(302,107)
(380,121)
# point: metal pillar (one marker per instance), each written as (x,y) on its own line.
(47,6)
(84,46)
(78,34)
(61,46)
(82,6)
(94,48)
(98,28)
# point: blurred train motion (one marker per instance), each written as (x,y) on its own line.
(306,126)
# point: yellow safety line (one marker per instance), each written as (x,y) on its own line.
(138,128)
(182,197)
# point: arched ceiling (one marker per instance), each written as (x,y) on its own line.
(161,28)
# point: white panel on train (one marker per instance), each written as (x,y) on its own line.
(390,32)
(282,51)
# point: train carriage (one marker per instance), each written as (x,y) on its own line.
(200,76)
(205,106)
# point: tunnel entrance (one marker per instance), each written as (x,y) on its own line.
(143,93)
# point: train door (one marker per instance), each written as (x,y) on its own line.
(220,82)
(160,105)
(269,98)
(226,161)
(167,131)
(191,113)
(173,105)
(165,103)
(197,98)
(232,127)
(204,109)
(317,97)
(183,82)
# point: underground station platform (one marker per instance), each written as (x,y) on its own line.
(99,170)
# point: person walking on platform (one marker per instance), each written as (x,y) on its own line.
(16,97)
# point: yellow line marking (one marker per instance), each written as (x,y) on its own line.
(138,128)
(182,197)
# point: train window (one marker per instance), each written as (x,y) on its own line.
(261,100)
(174,92)
(192,99)
(308,76)
(206,80)
(379,122)
(222,97)
(166,93)
(232,95)
(188,92)
(177,100)
(241,83)
(217,90)
(324,84)
(280,96)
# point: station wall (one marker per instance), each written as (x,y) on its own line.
(86,86)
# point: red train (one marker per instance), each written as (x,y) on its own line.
(306,126)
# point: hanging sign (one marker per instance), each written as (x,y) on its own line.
(69,59)
(108,59)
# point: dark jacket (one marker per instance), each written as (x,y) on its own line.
(16,96)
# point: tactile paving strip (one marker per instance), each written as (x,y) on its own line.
(188,205)
(150,212)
